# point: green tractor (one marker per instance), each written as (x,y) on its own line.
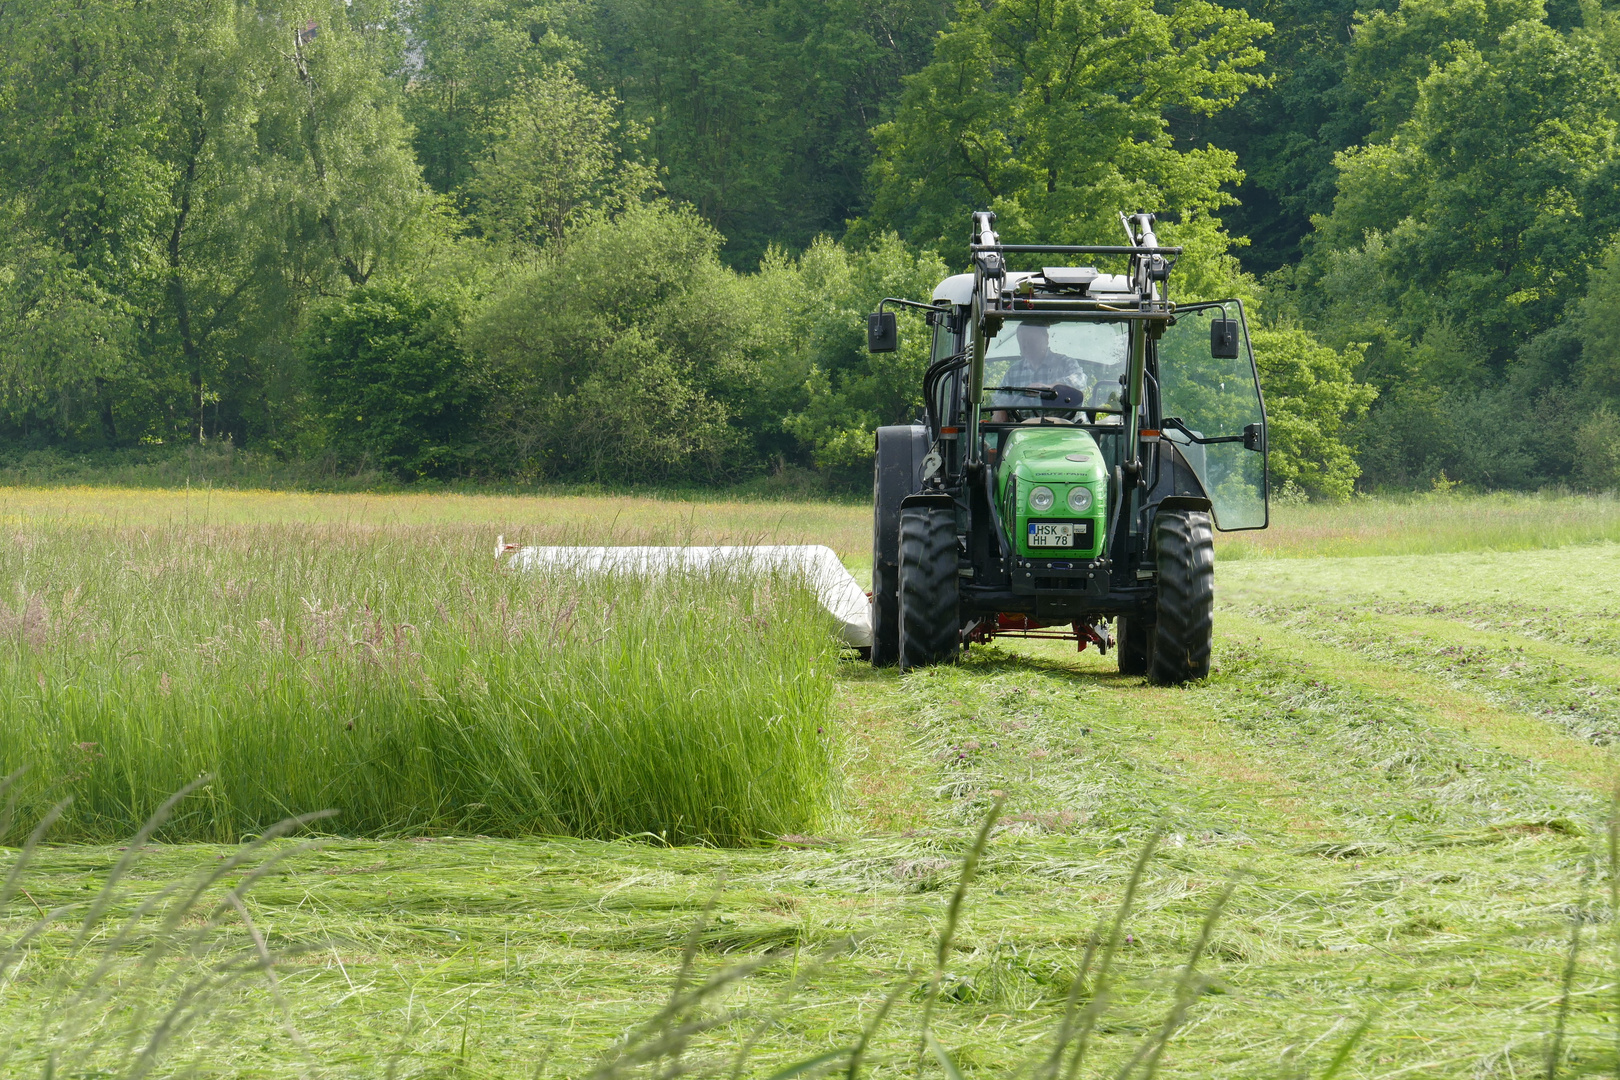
(1082,437)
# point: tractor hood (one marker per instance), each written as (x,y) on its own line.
(1040,467)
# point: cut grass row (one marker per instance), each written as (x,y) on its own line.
(409,684)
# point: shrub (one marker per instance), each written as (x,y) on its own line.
(1311,400)
(392,388)
(624,353)
(1597,451)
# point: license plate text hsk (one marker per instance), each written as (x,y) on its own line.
(1051,534)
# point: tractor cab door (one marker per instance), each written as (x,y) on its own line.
(1210,407)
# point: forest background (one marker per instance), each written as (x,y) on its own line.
(633,241)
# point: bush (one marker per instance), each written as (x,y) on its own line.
(392,388)
(627,352)
(847,392)
(1311,401)
(1597,451)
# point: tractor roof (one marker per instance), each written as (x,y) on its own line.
(958,288)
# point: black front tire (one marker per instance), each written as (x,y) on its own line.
(1134,645)
(1180,648)
(930,609)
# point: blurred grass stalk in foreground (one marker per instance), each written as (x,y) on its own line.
(402,678)
(122,983)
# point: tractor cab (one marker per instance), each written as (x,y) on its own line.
(1083,434)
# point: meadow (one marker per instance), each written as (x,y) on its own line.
(405,679)
(1396,787)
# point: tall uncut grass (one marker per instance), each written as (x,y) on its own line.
(404,679)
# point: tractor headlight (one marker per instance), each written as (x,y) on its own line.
(1079,499)
(1041,500)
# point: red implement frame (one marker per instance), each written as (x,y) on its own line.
(1014,624)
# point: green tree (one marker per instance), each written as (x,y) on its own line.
(847,393)
(64,343)
(203,170)
(84,188)
(624,353)
(1395,51)
(555,151)
(470,57)
(1053,115)
(391,386)
(1285,132)
(760,111)
(1313,402)
(1597,451)
(1489,202)
(1598,327)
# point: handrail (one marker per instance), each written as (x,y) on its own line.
(1075,249)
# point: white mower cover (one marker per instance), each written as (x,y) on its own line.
(837,590)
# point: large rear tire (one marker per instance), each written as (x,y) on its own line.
(930,610)
(1134,645)
(1186,578)
(895,474)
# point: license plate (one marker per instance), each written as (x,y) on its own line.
(1051,534)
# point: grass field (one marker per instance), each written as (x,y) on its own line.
(1401,767)
(404,680)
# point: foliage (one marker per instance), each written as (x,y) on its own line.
(1052,115)
(1597,328)
(474,56)
(1285,131)
(1312,399)
(553,154)
(625,352)
(63,341)
(185,184)
(849,392)
(195,172)
(761,113)
(1488,196)
(392,388)
(1462,238)
(1597,451)
(1395,51)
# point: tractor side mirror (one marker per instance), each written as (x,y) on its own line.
(1223,339)
(882,332)
(1252,437)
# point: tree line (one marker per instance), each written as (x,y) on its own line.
(633,240)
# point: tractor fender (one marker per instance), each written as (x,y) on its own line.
(1176,477)
(1183,502)
(932,499)
(896,473)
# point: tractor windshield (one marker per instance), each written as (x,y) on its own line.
(1030,355)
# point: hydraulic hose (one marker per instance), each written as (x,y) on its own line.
(936,371)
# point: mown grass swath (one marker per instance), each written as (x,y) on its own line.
(404,679)
(143,970)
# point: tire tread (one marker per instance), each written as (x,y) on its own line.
(1181,638)
(930,627)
